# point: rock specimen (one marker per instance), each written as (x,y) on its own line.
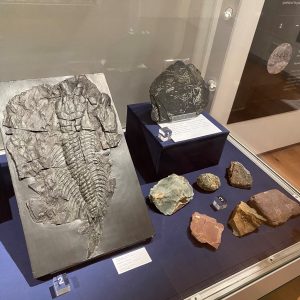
(171,193)
(208,182)
(276,207)
(239,176)
(206,229)
(244,219)
(179,90)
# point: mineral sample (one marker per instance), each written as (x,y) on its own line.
(208,182)
(171,193)
(206,229)
(244,219)
(179,90)
(276,207)
(239,176)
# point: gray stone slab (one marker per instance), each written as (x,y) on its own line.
(75,184)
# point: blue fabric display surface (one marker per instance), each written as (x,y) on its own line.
(155,159)
(180,266)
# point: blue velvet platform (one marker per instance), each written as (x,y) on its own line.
(179,267)
(155,159)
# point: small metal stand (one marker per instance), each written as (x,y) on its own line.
(164,134)
(61,284)
(219,203)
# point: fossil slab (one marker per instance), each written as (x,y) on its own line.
(171,193)
(244,219)
(275,206)
(239,176)
(177,91)
(77,191)
(206,229)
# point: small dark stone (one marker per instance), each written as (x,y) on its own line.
(239,176)
(208,182)
(178,90)
(276,207)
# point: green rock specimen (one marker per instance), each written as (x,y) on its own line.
(171,193)
(208,182)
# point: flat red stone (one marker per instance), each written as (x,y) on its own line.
(206,229)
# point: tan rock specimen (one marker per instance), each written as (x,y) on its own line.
(208,182)
(239,176)
(206,229)
(244,219)
(275,206)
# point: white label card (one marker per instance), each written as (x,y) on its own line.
(131,260)
(191,128)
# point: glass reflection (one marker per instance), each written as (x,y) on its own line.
(270,83)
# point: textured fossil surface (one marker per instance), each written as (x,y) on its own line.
(60,136)
(71,171)
(177,91)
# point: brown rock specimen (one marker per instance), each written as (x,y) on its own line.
(239,176)
(276,207)
(208,182)
(206,229)
(244,219)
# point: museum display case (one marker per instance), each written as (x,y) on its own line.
(129,152)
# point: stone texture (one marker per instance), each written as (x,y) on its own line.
(206,229)
(208,182)
(276,207)
(178,90)
(60,138)
(244,219)
(238,176)
(171,193)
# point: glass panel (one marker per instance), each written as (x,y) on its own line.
(131,41)
(270,83)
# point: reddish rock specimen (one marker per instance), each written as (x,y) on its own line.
(206,229)
(244,219)
(276,207)
(239,176)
